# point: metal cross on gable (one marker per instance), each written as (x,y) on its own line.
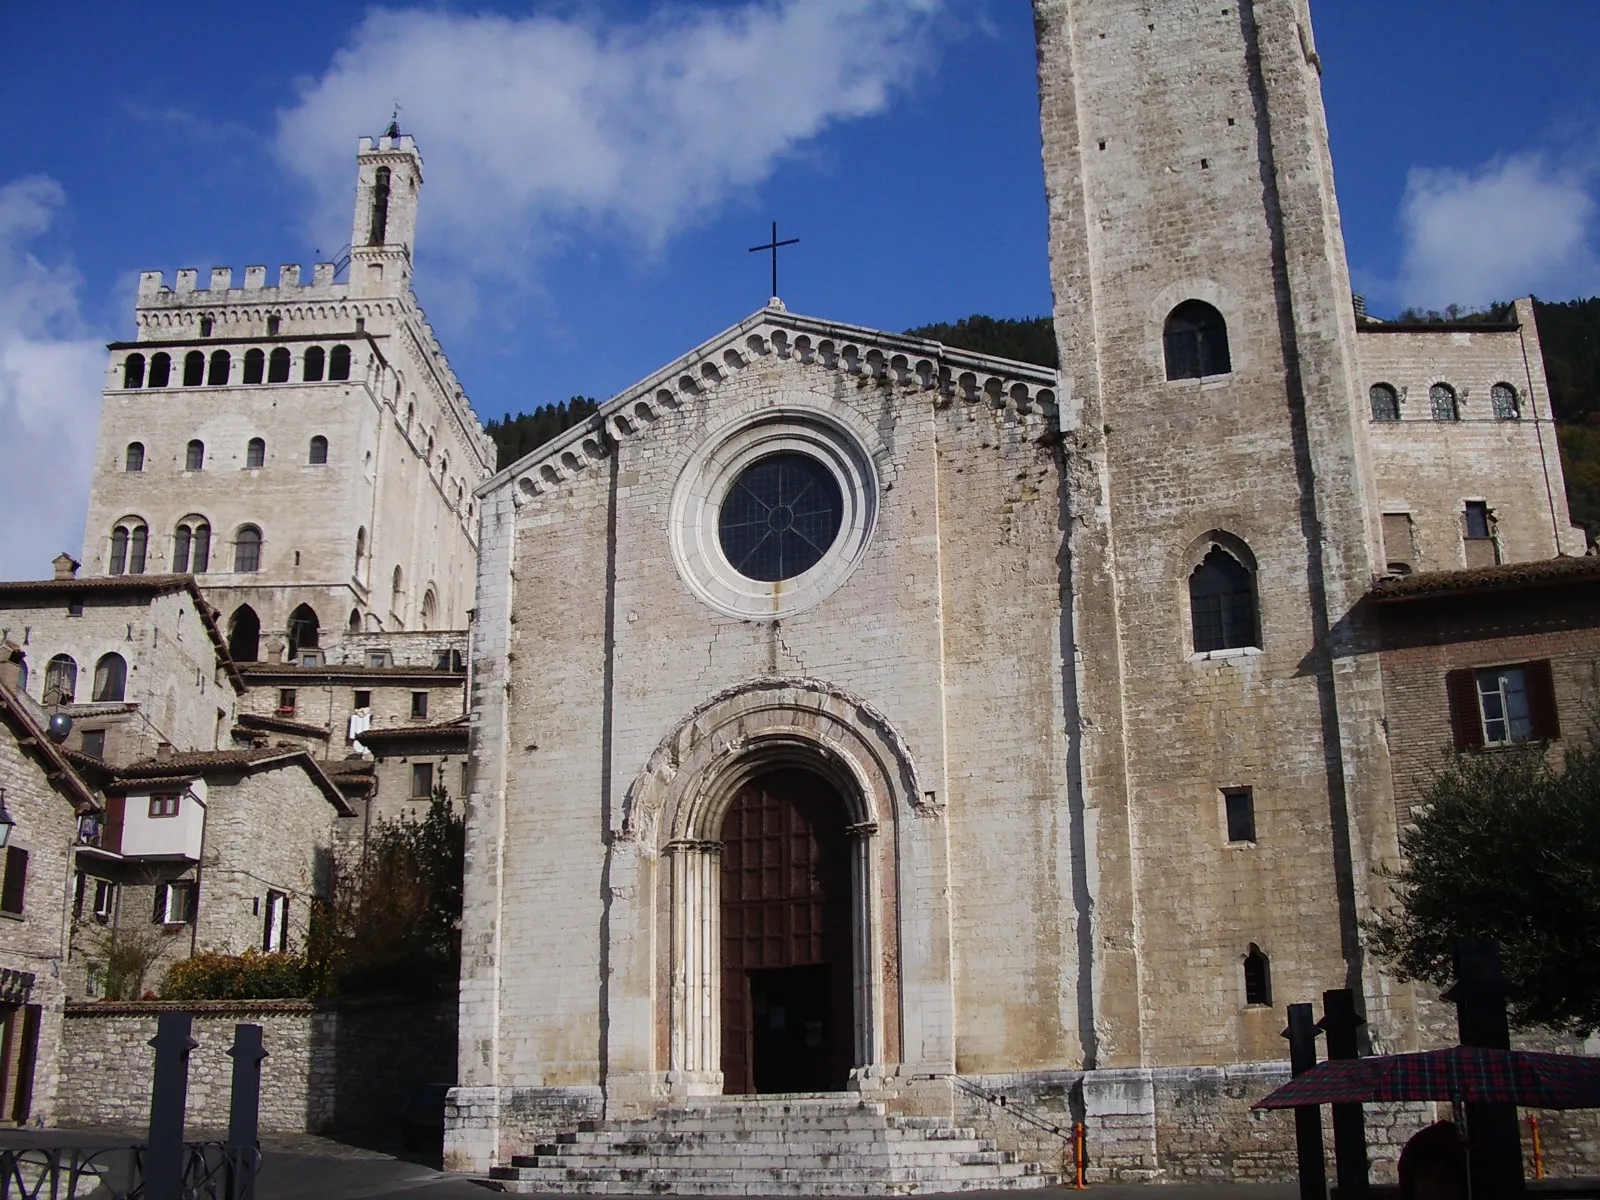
(773,246)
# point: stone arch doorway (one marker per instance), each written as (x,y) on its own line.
(786,906)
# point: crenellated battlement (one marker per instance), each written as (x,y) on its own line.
(186,290)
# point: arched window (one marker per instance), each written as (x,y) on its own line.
(138,542)
(339,363)
(255,453)
(1222,603)
(194,456)
(304,630)
(378,229)
(354,624)
(110,678)
(429,455)
(1504,399)
(244,635)
(1442,399)
(395,584)
(194,369)
(411,413)
(1385,402)
(191,545)
(1257,977)
(430,609)
(361,549)
(311,370)
(118,563)
(182,538)
(60,680)
(1196,340)
(255,365)
(221,368)
(201,548)
(133,459)
(160,369)
(133,371)
(247,550)
(319,451)
(278,366)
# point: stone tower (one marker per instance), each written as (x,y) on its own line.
(1210,392)
(304,449)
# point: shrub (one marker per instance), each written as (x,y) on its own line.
(248,976)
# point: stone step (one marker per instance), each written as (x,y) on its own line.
(713,1160)
(951,1140)
(764,1188)
(751,1120)
(949,1177)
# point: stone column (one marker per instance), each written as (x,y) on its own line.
(866,971)
(696,1045)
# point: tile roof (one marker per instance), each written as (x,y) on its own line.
(1547,572)
(282,725)
(396,733)
(181,767)
(30,735)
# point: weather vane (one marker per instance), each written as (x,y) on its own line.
(394,121)
(773,246)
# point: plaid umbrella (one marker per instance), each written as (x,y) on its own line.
(1472,1074)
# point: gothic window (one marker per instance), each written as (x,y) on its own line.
(60,679)
(311,368)
(378,230)
(194,456)
(339,363)
(304,630)
(255,453)
(428,457)
(1385,402)
(1196,340)
(221,367)
(1442,400)
(247,550)
(194,369)
(255,365)
(244,635)
(119,550)
(319,451)
(430,609)
(411,413)
(278,365)
(1257,977)
(133,371)
(1222,603)
(110,678)
(354,625)
(395,587)
(133,459)
(1504,399)
(361,549)
(160,370)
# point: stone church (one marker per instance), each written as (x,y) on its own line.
(873,725)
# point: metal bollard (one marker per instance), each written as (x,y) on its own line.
(169,1094)
(244,1111)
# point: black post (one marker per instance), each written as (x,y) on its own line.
(1494,1139)
(1302,1035)
(1342,1024)
(244,1110)
(169,1093)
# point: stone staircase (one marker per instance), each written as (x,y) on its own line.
(791,1145)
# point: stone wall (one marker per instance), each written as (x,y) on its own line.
(330,1069)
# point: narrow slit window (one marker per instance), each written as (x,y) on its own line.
(1257,977)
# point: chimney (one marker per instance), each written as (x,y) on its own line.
(66,566)
(275,651)
(163,751)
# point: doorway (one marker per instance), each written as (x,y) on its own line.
(787,1020)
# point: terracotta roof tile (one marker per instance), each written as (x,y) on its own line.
(1547,572)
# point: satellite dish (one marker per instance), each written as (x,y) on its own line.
(60,726)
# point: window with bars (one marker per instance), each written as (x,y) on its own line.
(1222,603)
(1195,339)
(1442,402)
(1503,705)
(1503,398)
(14,886)
(1257,977)
(1385,402)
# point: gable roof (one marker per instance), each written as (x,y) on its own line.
(915,363)
(179,768)
(16,711)
(132,585)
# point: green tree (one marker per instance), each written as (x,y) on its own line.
(515,436)
(1506,845)
(1025,339)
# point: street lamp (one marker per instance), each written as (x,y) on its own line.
(6,823)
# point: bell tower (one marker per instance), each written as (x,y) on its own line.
(1221,529)
(389,176)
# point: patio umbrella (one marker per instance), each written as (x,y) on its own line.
(1470,1074)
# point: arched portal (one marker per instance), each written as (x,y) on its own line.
(787,1002)
(244,635)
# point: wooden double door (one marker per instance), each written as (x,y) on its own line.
(787,1024)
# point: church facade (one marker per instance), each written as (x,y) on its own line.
(852,714)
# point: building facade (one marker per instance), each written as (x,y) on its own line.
(853,714)
(302,448)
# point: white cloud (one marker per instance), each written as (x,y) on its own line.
(50,380)
(1513,226)
(533,128)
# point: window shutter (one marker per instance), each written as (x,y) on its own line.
(1542,700)
(159,916)
(1466,720)
(16,880)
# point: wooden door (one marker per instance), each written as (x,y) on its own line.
(786,987)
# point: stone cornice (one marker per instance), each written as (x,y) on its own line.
(907,364)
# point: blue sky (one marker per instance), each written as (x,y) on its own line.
(595,172)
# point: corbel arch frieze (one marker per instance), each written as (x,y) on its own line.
(696,770)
